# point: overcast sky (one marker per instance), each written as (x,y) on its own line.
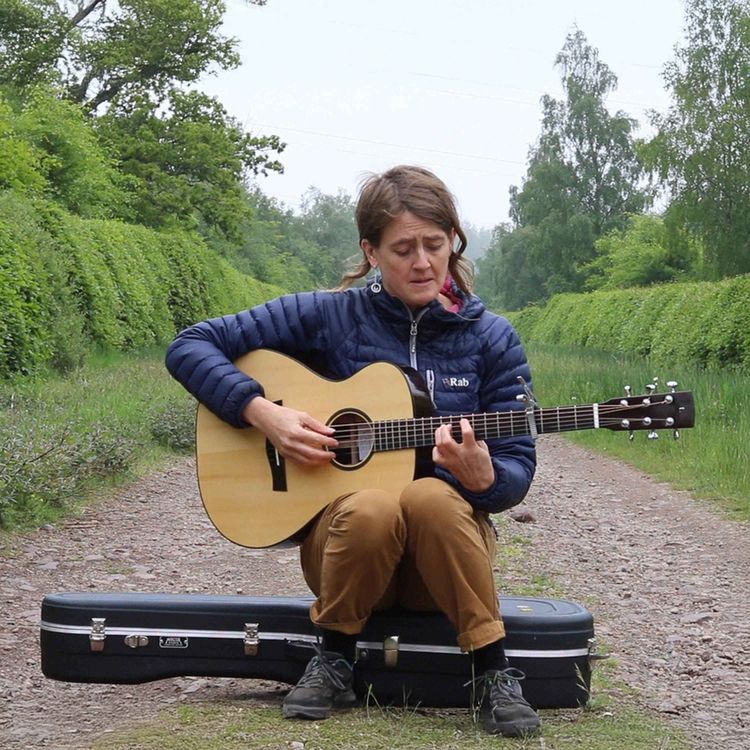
(454,85)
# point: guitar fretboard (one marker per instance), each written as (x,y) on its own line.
(397,434)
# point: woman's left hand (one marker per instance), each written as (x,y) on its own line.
(468,461)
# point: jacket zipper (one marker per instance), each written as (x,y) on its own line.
(413,337)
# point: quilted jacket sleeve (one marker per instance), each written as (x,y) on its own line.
(201,357)
(514,458)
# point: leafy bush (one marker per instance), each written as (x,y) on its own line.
(69,284)
(43,470)
(77,171)
(172,425)
(20,161)
(25,293)
(104,451)
(703,323)
(640,254)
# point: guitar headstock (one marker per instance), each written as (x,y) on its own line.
(650,411)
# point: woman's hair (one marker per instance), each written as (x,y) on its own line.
(383,197)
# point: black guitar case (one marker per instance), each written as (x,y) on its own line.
(402,657)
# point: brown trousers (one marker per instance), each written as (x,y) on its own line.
(426,550)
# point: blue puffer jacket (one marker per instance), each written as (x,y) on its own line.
(470,360)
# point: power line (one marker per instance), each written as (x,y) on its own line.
(335,136)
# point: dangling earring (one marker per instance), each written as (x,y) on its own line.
(375,286)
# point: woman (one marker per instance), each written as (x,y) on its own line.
(433,546)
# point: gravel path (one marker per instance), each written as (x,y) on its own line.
(667,579)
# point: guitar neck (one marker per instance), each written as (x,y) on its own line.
(396,434)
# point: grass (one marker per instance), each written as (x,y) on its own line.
(612,721)
(111,386)
(63,440)
(709,460)
(510,573)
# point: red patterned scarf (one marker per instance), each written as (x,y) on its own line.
(447,291)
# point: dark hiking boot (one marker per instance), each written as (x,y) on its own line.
(325,686)
(503,709)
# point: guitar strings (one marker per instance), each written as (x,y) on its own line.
(565,413)
(498,424)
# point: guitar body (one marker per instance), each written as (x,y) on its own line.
(254,497)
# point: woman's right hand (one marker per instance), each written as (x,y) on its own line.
(295,434)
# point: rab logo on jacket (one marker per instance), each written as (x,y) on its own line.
(456,382)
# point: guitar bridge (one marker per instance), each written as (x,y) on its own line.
(277,465)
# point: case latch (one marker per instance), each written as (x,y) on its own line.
(390,651)
(251,639)
(136,641)
(98,633)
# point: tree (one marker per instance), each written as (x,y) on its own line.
(297,251)
(478,239)
(146,48)
(505,278)
(702,148)
(129,65)
(32,34)
(188,161)
(273,249)
(582,181)
(641,254)
(327,222)
(559,236)
(20,160)
(112,53)
(48,147)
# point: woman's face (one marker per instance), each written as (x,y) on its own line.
(412,258)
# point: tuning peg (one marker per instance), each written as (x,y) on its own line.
(631,435)
(628,389)
(676,434)
(653,435)
(672,384)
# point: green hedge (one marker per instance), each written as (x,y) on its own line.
(68,284)
(704,323)
(39,320)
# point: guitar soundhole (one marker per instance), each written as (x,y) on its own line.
(356,438)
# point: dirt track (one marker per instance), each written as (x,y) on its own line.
(668,582)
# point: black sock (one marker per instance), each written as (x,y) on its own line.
(341,643)
(491,656)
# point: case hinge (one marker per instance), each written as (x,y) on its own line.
(98,633)
(390,651)
(136,641)
(251,639)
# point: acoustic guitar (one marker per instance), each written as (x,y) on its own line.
(385,426)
